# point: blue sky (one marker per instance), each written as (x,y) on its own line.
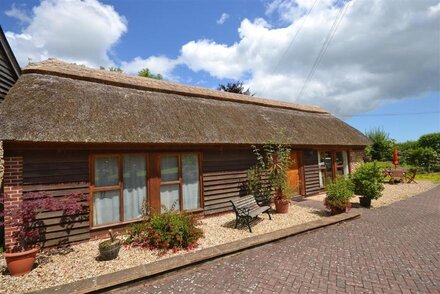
(379,70)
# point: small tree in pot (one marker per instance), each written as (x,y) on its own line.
(21,257)
(339,194)
(273,163)
(368,183)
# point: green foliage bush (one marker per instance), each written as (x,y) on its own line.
(424,157)
(430,141)
(167,231)
(368,181)
(339,193)
(381,147)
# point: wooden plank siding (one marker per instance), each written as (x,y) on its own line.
(7,78)
(224,178)
(59,174)
(311,172)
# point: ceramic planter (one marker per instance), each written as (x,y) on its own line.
(365,201)
(109,250)
(20,263)
(282,205)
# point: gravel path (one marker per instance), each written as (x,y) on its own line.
(79,261)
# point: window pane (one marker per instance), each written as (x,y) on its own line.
(328,163)
(106,171)
(345,157)
(339,158)
(190,177)
(135,185)
(169,197)
(321,169)
(169,168)
(106,207)
(340,171)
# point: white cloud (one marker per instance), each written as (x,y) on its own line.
(156,64)
(224,17)
(382,50)
(18,13)
(82,31)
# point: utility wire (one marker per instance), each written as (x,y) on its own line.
(392,114)
(294,37)
(324,47)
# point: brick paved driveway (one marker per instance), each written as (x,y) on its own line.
(394,249)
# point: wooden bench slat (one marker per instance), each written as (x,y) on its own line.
(247,207)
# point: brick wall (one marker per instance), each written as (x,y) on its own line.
(356,159)
(13,193)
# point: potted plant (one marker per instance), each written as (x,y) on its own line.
(109,249)
(339,194)
(273,163)
(368,183)
(21,257)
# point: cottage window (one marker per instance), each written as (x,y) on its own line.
(179,185)
(119,188)
(331,165)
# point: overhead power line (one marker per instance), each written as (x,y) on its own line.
(294,37)
(324,47)
(392,114)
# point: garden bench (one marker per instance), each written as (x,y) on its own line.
(246,209)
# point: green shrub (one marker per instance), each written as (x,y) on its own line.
(424,157)
(368,181)
(339,194)
(167,231)
(430,141)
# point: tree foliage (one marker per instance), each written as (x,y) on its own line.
(146,73)
(115,69)
(382,145)
(424,157)
(430,141)
(235,87)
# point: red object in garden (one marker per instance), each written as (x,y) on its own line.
(395,157)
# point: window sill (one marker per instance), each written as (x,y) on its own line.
(115,225)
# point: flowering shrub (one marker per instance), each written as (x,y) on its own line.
(24,216)
(167,231)
(338,195)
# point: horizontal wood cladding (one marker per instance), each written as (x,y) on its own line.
(224,178)
(52,167)
(7,77)
(59,173)
(56,227)
(311,172)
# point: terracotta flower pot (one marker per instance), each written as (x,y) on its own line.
(282,205)
(20,263)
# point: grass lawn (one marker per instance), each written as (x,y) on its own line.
(435,177)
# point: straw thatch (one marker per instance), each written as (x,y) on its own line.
(49,106)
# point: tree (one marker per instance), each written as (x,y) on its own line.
(405,149)
(146,73)
(115,69)
(235,87)
(430,141)
(381,148)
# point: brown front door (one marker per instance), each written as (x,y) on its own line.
(293,173)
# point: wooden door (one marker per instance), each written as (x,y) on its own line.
(293,173)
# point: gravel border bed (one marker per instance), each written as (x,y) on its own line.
(391,193)
(79,261)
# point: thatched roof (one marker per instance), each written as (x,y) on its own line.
(59,102)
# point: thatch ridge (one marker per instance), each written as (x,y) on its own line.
(59,68)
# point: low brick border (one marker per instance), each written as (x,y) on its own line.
(180,261)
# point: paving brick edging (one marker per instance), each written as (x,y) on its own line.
(177,262)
